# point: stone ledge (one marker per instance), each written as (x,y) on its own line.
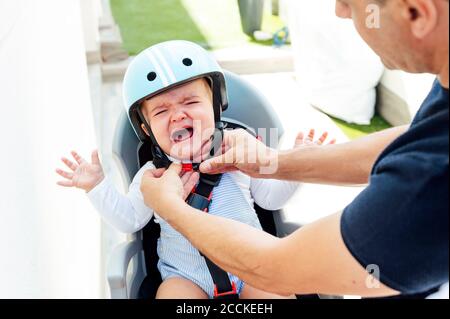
(255,59)
(245,60)
(111,46)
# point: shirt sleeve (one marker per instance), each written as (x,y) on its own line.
(399,223)
(127,213)
(271,194)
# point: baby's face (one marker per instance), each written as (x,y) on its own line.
(182,120)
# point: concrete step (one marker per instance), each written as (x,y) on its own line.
(111,45)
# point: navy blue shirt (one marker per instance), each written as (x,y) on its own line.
(400,221)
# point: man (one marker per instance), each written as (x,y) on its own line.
(396,229)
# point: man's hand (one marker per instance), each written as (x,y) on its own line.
(161,187)
(241,151)
(85,175)
(245,153)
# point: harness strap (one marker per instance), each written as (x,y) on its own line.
(200,198)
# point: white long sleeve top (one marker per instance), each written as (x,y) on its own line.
(128,213)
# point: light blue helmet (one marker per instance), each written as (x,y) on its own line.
(167,65)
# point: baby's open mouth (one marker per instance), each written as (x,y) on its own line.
(181,135)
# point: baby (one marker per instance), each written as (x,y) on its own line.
(180,119)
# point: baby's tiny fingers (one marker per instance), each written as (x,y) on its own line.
(64,174)
(311,134)
(322,138)
(185,177)
(191,182)
(78,158)
(333,141)
(300,136)
(69,163)
(94,158)
(65,183)
(194,178)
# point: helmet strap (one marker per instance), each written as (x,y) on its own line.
(160,159)
(217,139)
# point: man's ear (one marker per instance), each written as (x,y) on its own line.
(423,17)
(145,129)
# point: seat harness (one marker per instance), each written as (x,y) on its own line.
(201,198)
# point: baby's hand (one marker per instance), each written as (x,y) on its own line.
(189,180)
(85,175)
(309,140)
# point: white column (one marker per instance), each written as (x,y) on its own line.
(49,236)
(90,16)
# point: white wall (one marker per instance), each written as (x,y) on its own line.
(90,13)
(49,236)
(413,88)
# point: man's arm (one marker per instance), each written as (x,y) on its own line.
(312,260)
(342,164)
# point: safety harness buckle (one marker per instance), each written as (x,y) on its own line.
(198,201)
(232,294)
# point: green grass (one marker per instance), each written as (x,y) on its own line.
(212,24)
(354,131)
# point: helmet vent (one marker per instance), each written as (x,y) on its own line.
(187,62)
(151,76)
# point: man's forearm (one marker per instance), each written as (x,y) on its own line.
(295,264)
(235,247)
(342,164)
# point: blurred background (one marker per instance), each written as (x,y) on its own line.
(61,68)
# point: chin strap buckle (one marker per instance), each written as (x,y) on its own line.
(186,167)
(189,167)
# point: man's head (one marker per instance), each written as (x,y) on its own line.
(182,120)
(412,35)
